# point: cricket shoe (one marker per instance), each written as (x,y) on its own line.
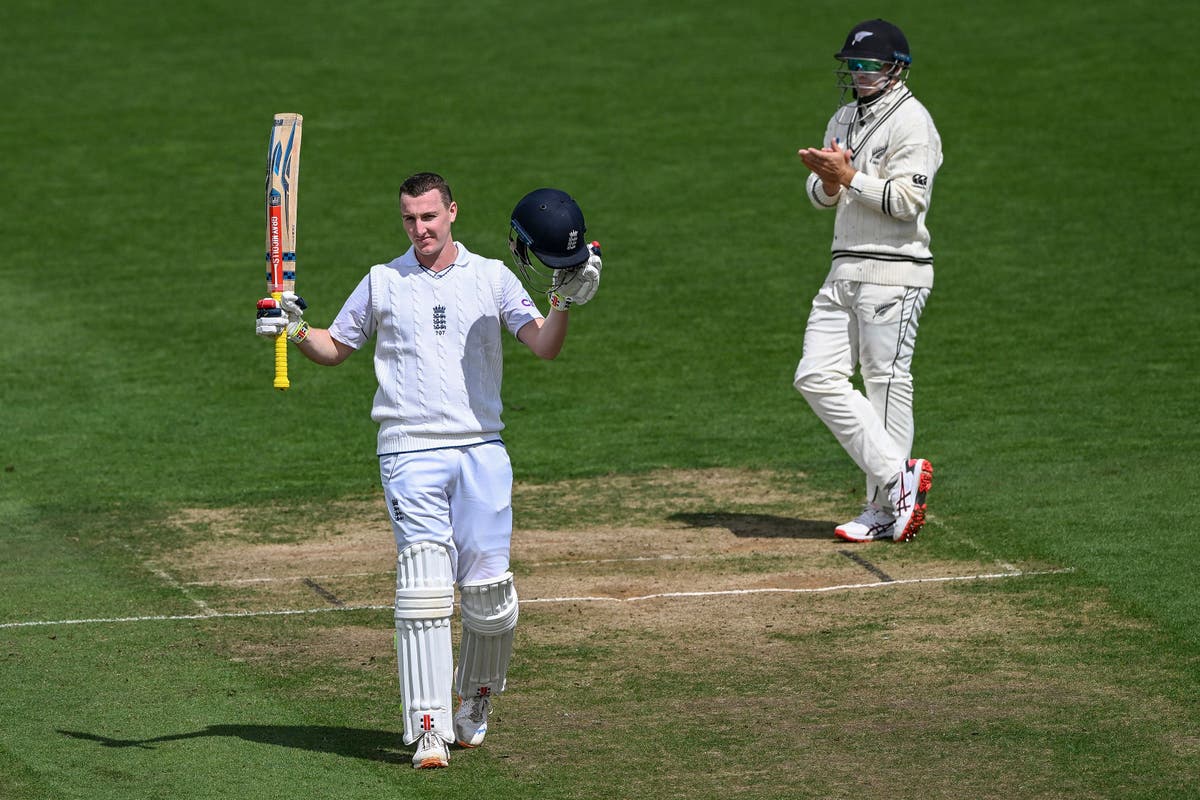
(873,523)
(907,495)
(431,751)
(471,719)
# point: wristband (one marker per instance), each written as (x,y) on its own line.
(299,334)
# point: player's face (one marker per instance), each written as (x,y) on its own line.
(427,221)
(869,77)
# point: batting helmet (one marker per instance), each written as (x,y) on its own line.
(549,223)
(878,40)
(874,57)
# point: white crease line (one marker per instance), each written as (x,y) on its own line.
(185,617)
(169,579)
(816,590)
(663,557)
(294,578)
(174,584)
(581,599)
(983,551)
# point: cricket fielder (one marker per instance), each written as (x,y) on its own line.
(876,168)
(437,314)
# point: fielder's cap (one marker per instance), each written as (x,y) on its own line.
(876,39)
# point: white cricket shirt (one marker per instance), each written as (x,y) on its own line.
(438,354)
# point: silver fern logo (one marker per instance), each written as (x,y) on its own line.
(858,37)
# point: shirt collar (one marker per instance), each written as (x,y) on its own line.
(889,98)
(409,259)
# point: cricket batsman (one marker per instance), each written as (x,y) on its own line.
(437,314)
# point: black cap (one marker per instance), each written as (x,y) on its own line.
(876,39)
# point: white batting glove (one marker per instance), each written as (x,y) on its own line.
(574,287)
(283,316)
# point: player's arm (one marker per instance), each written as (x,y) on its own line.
(287,316)
(824,183)
(570,288)
(902,190)
(545,336)
(832,170)
(323,349)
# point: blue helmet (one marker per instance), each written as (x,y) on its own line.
(548,223)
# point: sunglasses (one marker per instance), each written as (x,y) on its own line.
(864,65)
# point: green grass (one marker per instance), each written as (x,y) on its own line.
(1056,366)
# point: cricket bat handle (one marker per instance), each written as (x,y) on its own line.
(281,371)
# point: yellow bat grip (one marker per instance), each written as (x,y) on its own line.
(281,372)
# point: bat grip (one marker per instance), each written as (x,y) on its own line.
(281,369)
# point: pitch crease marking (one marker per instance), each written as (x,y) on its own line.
(581,599)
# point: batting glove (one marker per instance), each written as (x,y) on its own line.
(285,315)
(576,286)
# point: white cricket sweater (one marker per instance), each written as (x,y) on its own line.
(438,357)
(879,235)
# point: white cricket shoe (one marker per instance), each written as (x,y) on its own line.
(873,523)
(471,719)
(431,751)
(907,495)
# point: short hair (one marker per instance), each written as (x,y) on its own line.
(422,182)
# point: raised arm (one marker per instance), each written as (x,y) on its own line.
(288,315)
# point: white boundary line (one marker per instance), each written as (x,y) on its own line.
(210,614)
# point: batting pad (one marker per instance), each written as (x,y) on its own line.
(424,604)
(489,615)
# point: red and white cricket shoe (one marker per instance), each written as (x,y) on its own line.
(907,494)
(873,523)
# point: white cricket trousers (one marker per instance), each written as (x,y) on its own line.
(458,497)
(873,328)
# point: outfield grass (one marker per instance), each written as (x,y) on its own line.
(1056,387)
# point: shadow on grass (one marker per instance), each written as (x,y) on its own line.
(767,526)
(350,742)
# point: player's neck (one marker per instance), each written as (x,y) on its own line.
(444,258)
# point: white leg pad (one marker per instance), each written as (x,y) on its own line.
(424,604)
(489,615)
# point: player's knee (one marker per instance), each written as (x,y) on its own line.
(489,606)
(424,582)
(476,564)
(489,615)
(885,380)
(812,381)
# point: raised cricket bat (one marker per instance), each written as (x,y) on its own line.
(283,181)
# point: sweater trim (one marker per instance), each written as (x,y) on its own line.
(875,255)
(442,447)
(392,439)
(858,146)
